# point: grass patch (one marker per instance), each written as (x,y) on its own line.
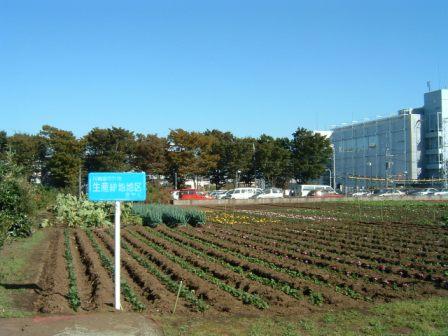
(426,317)
(14,269)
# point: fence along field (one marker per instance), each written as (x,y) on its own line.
(268,263)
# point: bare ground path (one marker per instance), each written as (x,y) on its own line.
(81,324)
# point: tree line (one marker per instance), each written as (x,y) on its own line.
(58,158)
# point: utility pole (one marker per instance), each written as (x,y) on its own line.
(175,180)
(79,183)
(237,173)
(334,166)
(330,175)
(388,165)
(370,165)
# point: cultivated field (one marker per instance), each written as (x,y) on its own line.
(316,269)
(254,261)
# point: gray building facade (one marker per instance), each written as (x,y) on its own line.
(408,146)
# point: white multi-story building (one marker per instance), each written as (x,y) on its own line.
(410,145)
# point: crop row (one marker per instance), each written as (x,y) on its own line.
(277,267)
(319,255)
(360,243)
(248,270)
(393,234)
(203,273)
(387,231)
(264,280)
(204,290)
(384,251)
(73,295)
(309,264)
(364,241)
(167,281)
(155,214)
(107,263)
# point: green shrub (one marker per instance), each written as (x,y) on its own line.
(195,217)
(79,212)
(16,202)
(5,223)
(173,216)
(151,215)
(128,217)
(154,214)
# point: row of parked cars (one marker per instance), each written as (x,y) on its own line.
(396,192)
(306,191)
(238,193)
(252,193)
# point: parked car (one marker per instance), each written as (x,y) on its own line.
(269,193)
(228,194)
(390,193)
(192,194)
(243,193)
(424,192)
(443,192)
(324,194)
(175,195)
(362,193)
(218,194)
(302,190)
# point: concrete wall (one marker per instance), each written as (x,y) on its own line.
(295,200)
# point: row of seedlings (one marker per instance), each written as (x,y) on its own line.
(73,296)
(247,298)
(107,263)
(213,257)
(170,284)
(319,283)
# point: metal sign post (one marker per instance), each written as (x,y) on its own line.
(117,187)
(117,255)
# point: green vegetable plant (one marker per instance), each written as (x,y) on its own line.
(253,299)
(166,280)
(109,266)
(173,216)
(79,212)
(73,296)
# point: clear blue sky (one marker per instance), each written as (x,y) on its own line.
(249,67)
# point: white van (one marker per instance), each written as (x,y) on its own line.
(244,193)
(302,190)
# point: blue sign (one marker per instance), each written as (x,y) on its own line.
(117,186)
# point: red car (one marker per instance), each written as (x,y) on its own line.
(192,194)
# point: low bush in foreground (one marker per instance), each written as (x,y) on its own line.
(80,212)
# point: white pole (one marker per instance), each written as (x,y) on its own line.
(117,255)
(334,168)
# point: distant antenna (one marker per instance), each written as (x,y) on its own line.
(428,84)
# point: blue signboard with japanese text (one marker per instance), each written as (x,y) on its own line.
(117,186)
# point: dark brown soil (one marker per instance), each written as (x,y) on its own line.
(144,283)
(53,282)
(102,288)
(86,283)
